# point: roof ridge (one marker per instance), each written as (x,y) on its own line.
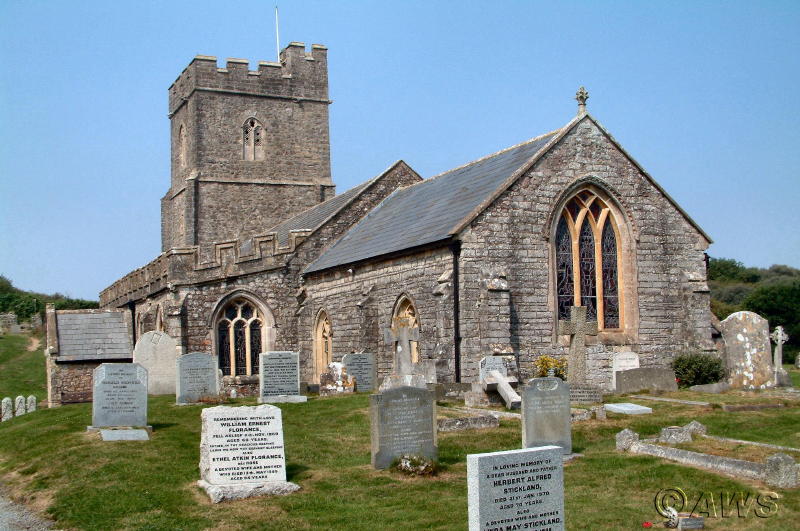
(490,155)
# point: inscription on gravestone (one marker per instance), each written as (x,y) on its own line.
(622,361)
(403,422)
(516,489)
(280,373)
(546,414)
(197,377)
(361,366)
(119,395)
(492,363)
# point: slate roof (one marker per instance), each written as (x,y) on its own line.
(94,335)
(315,216)
(428,211)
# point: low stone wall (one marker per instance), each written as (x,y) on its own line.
(69,383)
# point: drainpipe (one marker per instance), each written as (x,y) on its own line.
(455,247)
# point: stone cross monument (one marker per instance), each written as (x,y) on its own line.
(401,335)
(779,337)
(577,328)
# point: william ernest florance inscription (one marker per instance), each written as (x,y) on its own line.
(516,490)
(242,445)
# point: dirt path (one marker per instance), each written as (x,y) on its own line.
(34,344)
(15,517)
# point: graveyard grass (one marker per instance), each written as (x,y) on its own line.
(48,461)
(22,372)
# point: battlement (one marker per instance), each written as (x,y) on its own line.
(299,76)
(194,265)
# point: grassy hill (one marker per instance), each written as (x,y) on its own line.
(22,367)
(49,462)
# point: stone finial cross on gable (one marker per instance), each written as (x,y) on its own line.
(779,337)
(577,328)
(401,334)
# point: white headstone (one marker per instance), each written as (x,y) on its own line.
(19,406)
(31,403)
(156,352)
(622,361)
(492,363)
(516,489)
(242,453)
(6,409)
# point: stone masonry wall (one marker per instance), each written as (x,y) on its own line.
(666,302)
(69,382)
(361,305)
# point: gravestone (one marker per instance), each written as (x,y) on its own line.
(19,406)
(504,386)
(402,422)
(749,356)
(546,414)
(650,378)
(279,379)
(6,409)
(156,352)
(577,328)
(622,361)
(361,366)
(492,363)
(242,453)
(119,395)
(516,489)
(626,408)
(196,377)
(779,337)
(31,403)
(400,336)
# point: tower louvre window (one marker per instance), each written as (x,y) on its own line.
(252,140)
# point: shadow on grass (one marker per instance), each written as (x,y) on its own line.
(294,470)
(162,425)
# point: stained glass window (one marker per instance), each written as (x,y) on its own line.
(610,289)
(240,336)
(588,273)
(587,270)
(564,270)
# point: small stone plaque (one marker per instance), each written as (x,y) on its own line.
(156,352)
(125,435)
(242,453)
(627,408)
(280,374)
(361,366)
(516,489)
(403,422)
(622,361)
(119,395)
(197,377)
(492,363)
(546,414)
(585,394)
(646,378)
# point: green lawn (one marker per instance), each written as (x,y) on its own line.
(49,461)
(21,372)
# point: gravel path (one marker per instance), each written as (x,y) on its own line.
(15,517)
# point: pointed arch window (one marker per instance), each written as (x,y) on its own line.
(406,315)
(252,140)
(586,259)
(323,344)
(240,336)
(183,148)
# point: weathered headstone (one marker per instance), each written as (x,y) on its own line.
(6,409)
(650,378)
(156,352)
(335,380)
(280,377)
(582,393)
(504,385)
(361,366)
(779,337)
(119,395)
(400,336)
(196,377)
(546,414)
(31,403)
(492,363)
(749,356)
(516,489)
(19,406)
(627,408)
(242,453)
(403,422)
(577,328)
(622,361)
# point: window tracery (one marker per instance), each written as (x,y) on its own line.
(252,140)
(240,336)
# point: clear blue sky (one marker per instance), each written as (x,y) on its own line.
(703,94)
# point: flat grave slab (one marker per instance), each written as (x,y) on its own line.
(674,400)
(125,435)
(626,408)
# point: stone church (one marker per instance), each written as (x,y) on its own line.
(259,253)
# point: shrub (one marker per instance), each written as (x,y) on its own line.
(544,363)
(697,369)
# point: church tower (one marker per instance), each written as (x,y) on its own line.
(250,148)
